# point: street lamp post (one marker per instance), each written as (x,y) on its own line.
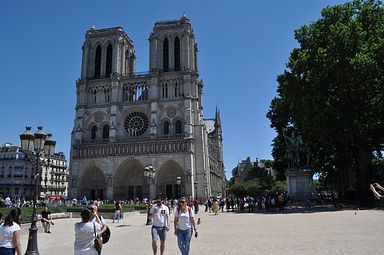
(34,146)
(149,175)
(178,182)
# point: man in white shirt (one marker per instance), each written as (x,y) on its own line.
(159,213)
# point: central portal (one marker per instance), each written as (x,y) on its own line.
(129,181)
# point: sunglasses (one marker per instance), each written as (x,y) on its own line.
(182,202)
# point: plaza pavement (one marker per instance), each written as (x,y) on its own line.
(294,232)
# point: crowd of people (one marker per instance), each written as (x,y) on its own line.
(249,204)
(23,202)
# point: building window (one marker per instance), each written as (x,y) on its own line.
(166,128)
(136,92)
(177,54)
(178,127)
(95,96)
(108,64)
(94,133)
(97,62)
(165,55)
(164,90)
(136,123)
(107,95)
(106,132)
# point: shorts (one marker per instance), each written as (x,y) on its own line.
(7,251)
(159,232)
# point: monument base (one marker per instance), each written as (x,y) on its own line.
(299,183)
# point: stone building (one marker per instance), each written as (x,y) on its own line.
(17,174)
(245,168)
(126,121)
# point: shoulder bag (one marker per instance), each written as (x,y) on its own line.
(97,240)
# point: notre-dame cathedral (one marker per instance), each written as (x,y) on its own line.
(127,121)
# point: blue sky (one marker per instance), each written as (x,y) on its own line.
(243,46)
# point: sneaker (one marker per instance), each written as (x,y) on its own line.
(49,232)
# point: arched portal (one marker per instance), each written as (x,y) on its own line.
(167,180)
(93,184)
(129,181)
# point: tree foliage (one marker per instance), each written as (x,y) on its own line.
(257,187)
(332,93)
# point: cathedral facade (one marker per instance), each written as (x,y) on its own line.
(127,121)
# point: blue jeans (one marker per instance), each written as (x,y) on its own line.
(117,216)
(184,240)
(7,251)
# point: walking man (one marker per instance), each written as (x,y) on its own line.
(159,213)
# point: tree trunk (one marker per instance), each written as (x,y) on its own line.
(364,170)
(341,183)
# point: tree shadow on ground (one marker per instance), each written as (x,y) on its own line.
(303,209)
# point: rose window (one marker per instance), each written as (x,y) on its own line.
(136,124)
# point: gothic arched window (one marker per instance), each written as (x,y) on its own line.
(108,64)
(177,54)
(166,128)
(178,127)
(165,90)
(93,133)
(165,55)
(106,132)
(97,62)
(95,96)
(176,87)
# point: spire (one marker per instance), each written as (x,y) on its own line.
(217,118)
(184,17)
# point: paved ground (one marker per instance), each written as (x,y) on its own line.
(294,232)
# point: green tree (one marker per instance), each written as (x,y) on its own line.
(332,93)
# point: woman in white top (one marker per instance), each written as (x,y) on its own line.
(85,235)
(184,221)
(10,233)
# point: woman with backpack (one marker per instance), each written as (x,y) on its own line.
(85,233)
(184,222)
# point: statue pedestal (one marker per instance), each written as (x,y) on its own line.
(299,183)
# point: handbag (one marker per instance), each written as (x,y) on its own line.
(106,235)
(97,240)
